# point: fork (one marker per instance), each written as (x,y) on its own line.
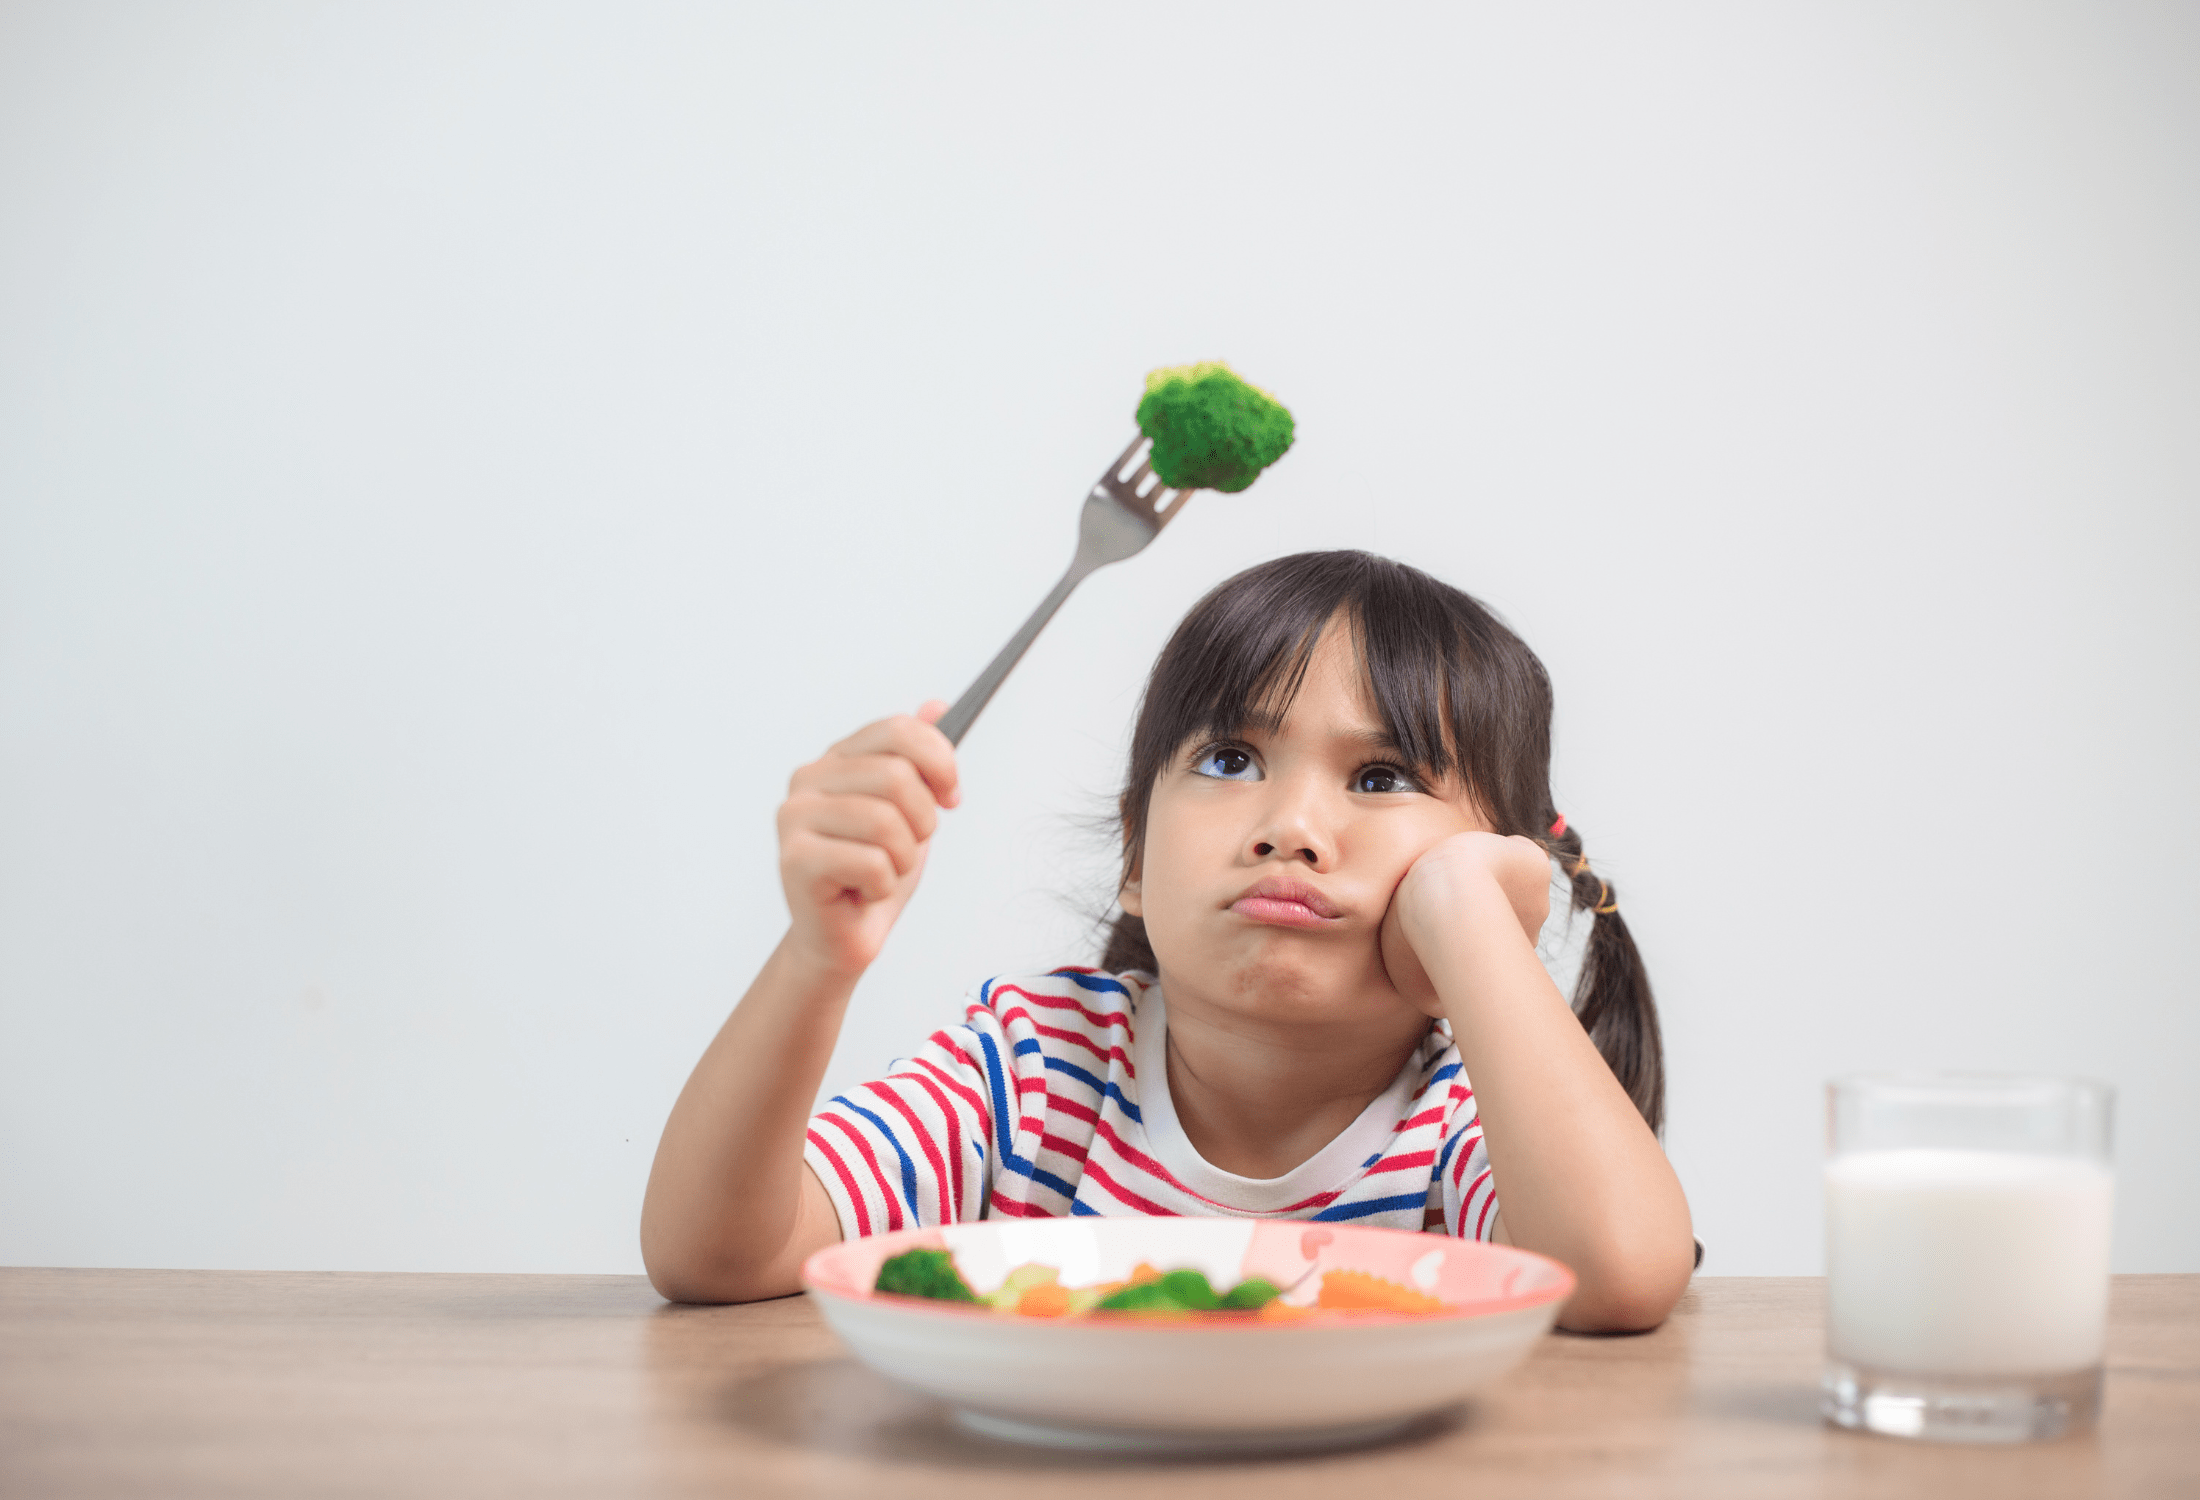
(1127,508)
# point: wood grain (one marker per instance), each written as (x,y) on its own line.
(226,1383)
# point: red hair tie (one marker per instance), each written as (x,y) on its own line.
(1558,829)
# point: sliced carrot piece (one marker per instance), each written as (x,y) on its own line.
(1044,1301)
(1359,1289)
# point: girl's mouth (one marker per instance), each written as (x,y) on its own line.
(1286,903)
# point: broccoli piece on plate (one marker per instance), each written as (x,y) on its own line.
(1251,1294)
(1179,1291)
(1210,430)
(924,1273)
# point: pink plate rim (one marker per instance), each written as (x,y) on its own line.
(815,1281)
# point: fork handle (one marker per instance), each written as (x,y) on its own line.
(955,723)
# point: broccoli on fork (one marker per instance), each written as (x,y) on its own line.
(1210,430)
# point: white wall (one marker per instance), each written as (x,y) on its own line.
(452,467)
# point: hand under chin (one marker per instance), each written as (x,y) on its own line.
(1403,966)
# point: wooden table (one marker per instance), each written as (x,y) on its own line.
(234,1383)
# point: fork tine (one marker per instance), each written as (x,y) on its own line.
(1121,466)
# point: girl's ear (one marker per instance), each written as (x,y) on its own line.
(1130,898)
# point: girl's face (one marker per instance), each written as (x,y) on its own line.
(1270,859)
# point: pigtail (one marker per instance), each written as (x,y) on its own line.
(1613,997)
(1127,947)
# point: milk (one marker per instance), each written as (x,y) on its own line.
(1966,1262)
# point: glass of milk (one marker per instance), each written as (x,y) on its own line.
(1966,1255)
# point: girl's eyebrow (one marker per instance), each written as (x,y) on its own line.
(1375,739)
(1269,722)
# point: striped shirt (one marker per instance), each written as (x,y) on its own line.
(1052,1098)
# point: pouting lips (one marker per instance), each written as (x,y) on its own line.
(1286,903)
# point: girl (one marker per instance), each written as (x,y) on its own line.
(1340,861)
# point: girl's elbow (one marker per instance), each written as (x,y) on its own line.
(1617,1310)
(1633,1297)
(695,1273)
(708,1283)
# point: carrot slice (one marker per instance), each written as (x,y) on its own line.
(1359,1289)
(1044,1301)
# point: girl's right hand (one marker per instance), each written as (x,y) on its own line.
(854,832)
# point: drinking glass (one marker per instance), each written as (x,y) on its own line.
(1966,1255)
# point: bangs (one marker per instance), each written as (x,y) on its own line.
(1245,664)
(1458,693)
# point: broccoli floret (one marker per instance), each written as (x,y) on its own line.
(1251,1294)
(924,1273)
(1179,1291)
(1210,430)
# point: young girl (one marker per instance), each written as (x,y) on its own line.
(1345,893)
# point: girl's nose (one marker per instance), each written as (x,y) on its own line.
(1290,832)
(1264,851)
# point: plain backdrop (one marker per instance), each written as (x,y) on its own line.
(455,462)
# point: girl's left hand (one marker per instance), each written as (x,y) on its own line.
(1440,891)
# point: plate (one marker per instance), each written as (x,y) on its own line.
(1185,1384)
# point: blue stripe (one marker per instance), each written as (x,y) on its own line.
(1092,982)
(1008,1158)
(1124,1104)
(1378,1156)
(1337,1211)
(1023,1168)
(1057,1065)
(1449,1147)
(1106,1091)
(908,1167)
(1076,1208)
(998,1089)
(1027,1046)
(1448,1070)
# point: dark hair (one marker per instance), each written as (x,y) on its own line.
(1460,694)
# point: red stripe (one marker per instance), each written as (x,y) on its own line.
(962,1091)
(1467,1197)
(847,1180)
(954,1144)
(1425,1117)
(924,1139)
(1148,1165)
(1110,1054)
(1482,1218)
(1094,1172)
(1459,1158)
(1056,1104)
(1057,1002)
(1066,1148)
(1400,1163)
(893,1203)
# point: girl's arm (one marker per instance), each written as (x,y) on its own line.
(732,1210)
(1580,1176)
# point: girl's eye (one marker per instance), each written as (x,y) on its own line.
(1383,779)
(1226,763)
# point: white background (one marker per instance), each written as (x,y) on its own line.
(453,466)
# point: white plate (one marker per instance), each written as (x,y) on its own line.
(1176,1384)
